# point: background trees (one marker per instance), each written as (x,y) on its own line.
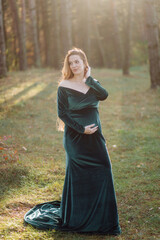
(18,33)
(153,42)
(114,34)
(33,14)
(3,69)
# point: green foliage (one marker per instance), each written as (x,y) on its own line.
(130,124)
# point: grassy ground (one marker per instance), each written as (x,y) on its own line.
(32,161)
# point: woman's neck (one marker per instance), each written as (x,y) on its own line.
(78,77)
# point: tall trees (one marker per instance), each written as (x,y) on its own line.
(86,23)
(55,43)
(98,36)
(3,68)
(38,29)
(116,34)
(128,38)
(82,26)
(45,26)
(66,27)
(17,25)
(24,33)
(32,5)
(153,42)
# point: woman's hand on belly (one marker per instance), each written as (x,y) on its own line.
(90,129)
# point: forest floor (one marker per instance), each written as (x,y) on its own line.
(32,161)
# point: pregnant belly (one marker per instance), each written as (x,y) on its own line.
(86,116)
(85,149)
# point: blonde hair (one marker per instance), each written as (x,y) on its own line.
(68,74)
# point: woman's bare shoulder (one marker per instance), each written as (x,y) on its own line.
(64,83)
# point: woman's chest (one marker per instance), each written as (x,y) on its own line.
(77,101)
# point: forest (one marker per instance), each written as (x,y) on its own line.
(121,39)
(114,34)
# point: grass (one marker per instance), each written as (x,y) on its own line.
(32,157)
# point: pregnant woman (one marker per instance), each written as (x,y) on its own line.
(88,200)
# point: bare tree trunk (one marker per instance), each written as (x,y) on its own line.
(97,33)
(55,35)
(38,19)
(66,28)
(45,26)
(24,33)
(87,29)
(128,38)
(35,34)
(99,42)
(17,24)
(153,42)
(83,31)
(3,67)
(116,34)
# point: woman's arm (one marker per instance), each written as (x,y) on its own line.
(63,113)
(100,92)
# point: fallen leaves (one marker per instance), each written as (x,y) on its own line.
(8,152)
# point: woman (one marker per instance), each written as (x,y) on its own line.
(88,200)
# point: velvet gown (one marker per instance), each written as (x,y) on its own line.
(88,200)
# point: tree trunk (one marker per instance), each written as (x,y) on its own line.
(35,34)
(82,30)
(128,38)
(99,38)
(24,32)
(99,42)
(153,42)
(55,35)
(66,28)
(3,68)
(116,34)
(17,24)
(45,26)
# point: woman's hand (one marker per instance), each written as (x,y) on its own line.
(90,129)
(88,73)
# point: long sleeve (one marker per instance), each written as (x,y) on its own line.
(100,92)
(63,112)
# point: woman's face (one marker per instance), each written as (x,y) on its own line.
(76,64)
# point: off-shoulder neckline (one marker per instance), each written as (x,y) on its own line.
(75,90)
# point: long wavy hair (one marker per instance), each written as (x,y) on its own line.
(68,74)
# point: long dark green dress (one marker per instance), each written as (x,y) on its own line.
(88,200)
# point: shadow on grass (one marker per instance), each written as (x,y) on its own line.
(11,177)
(81,236)
(57,234)
(46,92)
(24,91)
(14,176)
(43,94)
